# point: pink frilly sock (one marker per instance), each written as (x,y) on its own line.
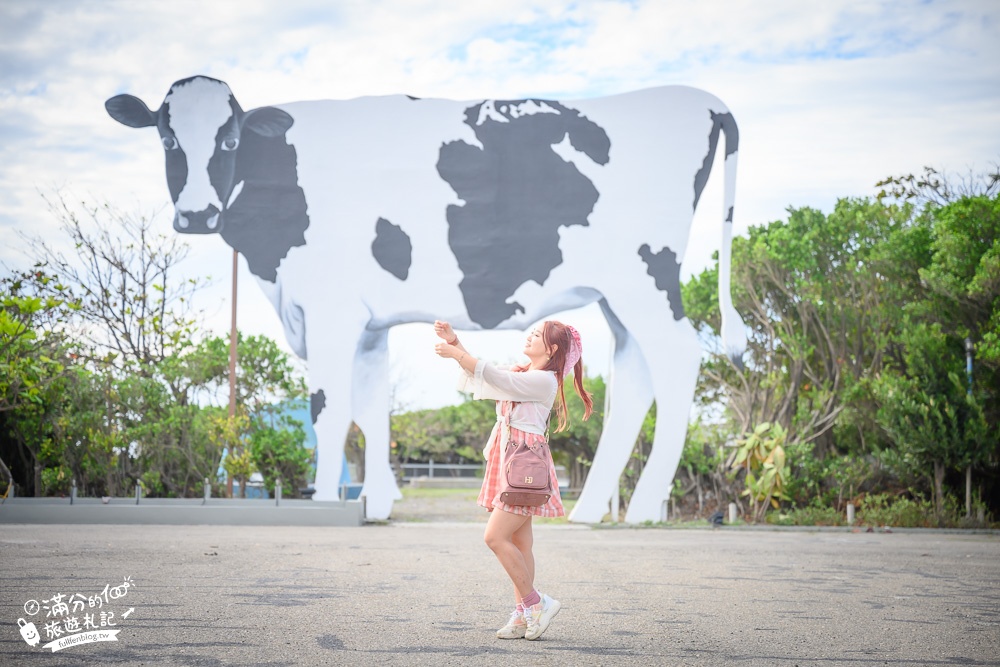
(531,599)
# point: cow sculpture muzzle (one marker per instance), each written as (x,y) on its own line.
(208,221)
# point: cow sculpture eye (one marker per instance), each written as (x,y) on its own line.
(230,144)
(169,143)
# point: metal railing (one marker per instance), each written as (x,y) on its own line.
(432,469)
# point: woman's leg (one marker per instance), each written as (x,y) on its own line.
(499,536)
(523,540)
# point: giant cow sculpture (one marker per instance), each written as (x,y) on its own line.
(359,215)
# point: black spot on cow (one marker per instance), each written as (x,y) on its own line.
(518,193)
(268,217)
(666,271)
(392,248)
(317,402)
(726,123)
(176,159)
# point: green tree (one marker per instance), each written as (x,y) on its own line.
(276,448)
(926,410)
(842,310)
(935,416)
(36,310)
(451,434)
(34,359)
(816,293)
(265,376)
(131,396)
(264,372)
(125,275)
(963,277)
(134,319)
(822,296)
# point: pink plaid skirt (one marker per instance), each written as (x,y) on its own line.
(489,495)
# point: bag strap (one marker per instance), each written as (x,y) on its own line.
(548,419)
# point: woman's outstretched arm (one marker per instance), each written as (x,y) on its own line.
(452,348)
(448,335)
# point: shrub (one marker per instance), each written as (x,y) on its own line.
(883,509)
(815,514)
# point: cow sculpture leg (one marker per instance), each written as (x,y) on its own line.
(331,428)
(371,409)
(630,394)
(330,338)
(673,353)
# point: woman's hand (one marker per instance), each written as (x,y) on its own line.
(445,332)
(447,351)
(451,348)
(459,354)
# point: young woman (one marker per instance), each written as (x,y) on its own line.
(525,395)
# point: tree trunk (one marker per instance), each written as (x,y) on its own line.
(7,476)
(763,508)
(939,488)
(578,474)
(968,492)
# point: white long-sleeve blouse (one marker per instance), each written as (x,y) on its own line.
(533,391)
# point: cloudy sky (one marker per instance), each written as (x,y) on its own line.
(830,97)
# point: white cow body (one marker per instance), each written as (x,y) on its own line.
(366,159)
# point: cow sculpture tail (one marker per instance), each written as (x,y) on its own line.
(734,339)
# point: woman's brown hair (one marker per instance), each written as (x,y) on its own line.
(559,335)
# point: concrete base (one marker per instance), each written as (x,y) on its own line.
(182,511)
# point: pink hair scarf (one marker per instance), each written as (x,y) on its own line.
(574,352)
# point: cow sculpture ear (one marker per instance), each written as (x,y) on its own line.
(267,121)
(130,110)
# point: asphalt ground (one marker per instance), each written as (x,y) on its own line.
(430,593)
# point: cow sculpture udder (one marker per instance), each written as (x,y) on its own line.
(358,215)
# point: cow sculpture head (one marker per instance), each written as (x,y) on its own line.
(201,127)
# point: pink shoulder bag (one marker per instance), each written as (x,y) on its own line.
(526,475)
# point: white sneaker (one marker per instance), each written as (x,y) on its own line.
(539,616)
(515,627)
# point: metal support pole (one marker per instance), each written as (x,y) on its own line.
(232,365)
(430,468)
(138,492)
(72,492)
(968,362)
(207,492)
(277,492)
(968,470)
